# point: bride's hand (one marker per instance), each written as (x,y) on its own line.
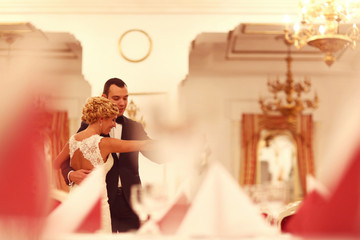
(78,176)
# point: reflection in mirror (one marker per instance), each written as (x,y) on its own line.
(277,162)
(261,138)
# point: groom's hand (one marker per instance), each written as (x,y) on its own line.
(78,176)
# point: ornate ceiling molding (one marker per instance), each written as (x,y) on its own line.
(254,7)
(25,40)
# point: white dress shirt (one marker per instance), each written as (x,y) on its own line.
(115,132)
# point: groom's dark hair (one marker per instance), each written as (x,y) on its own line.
(117,81)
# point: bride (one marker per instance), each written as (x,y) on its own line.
(87,149)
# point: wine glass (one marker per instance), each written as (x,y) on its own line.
(275,197)
(269,198)
(149,202)
(156,199)
(137,202)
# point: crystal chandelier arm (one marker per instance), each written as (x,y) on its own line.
(354,34)
(298,37)
(320,27)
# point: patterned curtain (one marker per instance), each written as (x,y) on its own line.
(253,124)
(305,149)
(250,137)
(57,136)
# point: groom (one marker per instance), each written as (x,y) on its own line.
(125,171)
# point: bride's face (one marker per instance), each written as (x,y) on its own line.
(108,124)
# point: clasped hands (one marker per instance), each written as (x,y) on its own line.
(78,176)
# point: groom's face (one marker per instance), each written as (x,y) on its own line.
(119,96)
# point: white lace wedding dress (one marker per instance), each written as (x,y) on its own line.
(89,147)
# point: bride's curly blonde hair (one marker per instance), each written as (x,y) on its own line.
(98,107)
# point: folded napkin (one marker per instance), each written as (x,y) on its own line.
(24,184)
(221,208)
(171,220)
(81,211)
(314,185)
(336,214)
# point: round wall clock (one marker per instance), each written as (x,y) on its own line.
(135,45)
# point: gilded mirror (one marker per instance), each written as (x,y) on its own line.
(276,150)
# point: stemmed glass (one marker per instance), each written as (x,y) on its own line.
(149,202)
(276,197)
(137,202)
(269,198)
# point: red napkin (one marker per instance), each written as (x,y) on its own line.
(23,175)
(338,215)
(92,221)
(170,222)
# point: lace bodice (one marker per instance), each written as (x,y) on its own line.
(89,147)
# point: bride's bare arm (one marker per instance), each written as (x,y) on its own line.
(111,145)
(62,157)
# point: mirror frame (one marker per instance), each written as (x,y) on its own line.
(301,129)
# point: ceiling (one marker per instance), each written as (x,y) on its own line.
(24,39)
(265,42)
(259,48)
(248,41)
(261,7)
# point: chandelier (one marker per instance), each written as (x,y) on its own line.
(320,27)
(289,104)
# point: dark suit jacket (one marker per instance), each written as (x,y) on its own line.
(126,166)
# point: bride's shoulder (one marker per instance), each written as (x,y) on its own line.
(81,136)
(107,140)
(93,139)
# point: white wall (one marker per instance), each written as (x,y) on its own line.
(172,25)
(171,34)
(215,101)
